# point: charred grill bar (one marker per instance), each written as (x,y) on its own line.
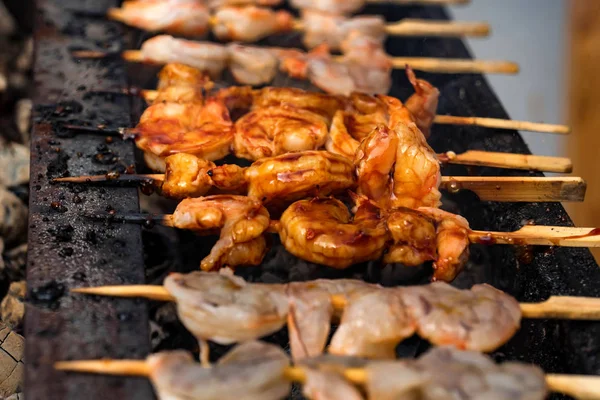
(68,251)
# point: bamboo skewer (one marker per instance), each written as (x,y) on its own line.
(508,160)
(502,124)
(493,188)
(440,65)
(578,386)
(518,189)
(530,235)
(496,123)
(556,307)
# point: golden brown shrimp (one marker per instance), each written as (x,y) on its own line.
(374,160)
(414,237)
(267,132)
(340,141)
(417,174)
(240,219)
(322,231)
(452,243)
(186,176)
(423,103)
(169,128)
(176,74)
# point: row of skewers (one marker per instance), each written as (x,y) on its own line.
(376,147)
(372,320)
(393,171)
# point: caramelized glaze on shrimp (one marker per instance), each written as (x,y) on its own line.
(417,174)
(322,231)
(423,103)
(414,237)
(452,243)
(168,128)
(239,219)
(267,132)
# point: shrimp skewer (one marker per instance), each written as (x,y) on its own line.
(226,309)
(257,370)
(250,23)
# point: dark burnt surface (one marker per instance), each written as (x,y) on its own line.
(65,249)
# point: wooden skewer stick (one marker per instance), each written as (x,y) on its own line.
(502,124)
(492,188)
(440,65)
(508,160)
(578,386)
(531,235)
(518,189)
(556,307)
(424,27)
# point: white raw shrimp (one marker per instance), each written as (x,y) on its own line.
(251,65)
(250,23)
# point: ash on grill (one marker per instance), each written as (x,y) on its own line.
(15,111)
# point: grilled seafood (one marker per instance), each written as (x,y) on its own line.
(413,235)
(239,219)
(176,74)
(208,57)
(417,176)
(213,4)
(335,7)
(369,67)
(252,65)
(325,385)
(322,230)
(271,131)
(205,131)
(250,23)
(309,318)
(328,74)
(475,309)
(444,373)
(285,178)
(365,333)
(225,308)
(320,27)
(178,18)
(252,370)
(452,243)
(423,104)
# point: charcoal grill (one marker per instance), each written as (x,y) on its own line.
(66,250)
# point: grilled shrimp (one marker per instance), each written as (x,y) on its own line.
(322,231)
(214,4)
(186,176)
(225,308)
(175,17)
(176,74)
(272,131)
(330,6)
(482,318)
(327,74)
(369,67)
(452,243)
(295,176)
(239,219)
(209,57)
(372,325)
(252,65)
(446,373)
(321,27)
(413,235)
(168,128)
(374,160)
(423,103)
(250,23)
(251,371)
(417,174)
(309,319)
